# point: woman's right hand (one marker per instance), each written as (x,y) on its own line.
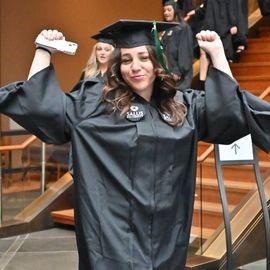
(46,39)
(43,52)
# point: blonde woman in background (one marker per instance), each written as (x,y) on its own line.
(97,63)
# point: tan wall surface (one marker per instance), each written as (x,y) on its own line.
(21,21)
(252,5)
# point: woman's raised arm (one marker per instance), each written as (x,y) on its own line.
(210,42)
(42,55)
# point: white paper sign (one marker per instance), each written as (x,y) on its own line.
(239,150)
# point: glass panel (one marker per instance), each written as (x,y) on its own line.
(22,158)
(247,224)
(196,237)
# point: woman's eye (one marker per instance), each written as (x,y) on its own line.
(144,58)
(125,61)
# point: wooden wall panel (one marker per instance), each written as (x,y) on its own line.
(21,21)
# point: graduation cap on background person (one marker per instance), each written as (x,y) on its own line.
(134,33)
(104,38)
(175,3)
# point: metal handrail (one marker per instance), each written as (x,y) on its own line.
(21,146)
(205,154)
(265,93)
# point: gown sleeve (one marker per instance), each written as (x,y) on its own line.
(258,117)
(220,114)
(41,107)
(38,105)
(226,113)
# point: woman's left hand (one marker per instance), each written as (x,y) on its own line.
(210,42)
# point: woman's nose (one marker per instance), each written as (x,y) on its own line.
(135,65)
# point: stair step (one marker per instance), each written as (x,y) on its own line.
(210,207)
(254,83)
(244,173)
(208,215)
(253,69)
(249,56)
(63,216)
(229,184)
(197,262)
(258,44)
(235,190)
(199,232)
(264,31)
(212,211)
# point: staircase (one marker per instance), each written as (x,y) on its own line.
(253,73)
(253,70)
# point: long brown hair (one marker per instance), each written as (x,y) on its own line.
(119,95)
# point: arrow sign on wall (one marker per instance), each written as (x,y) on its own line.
(238,150)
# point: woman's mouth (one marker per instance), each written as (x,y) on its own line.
(137,77)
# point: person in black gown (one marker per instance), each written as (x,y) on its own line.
(97,63)
(239,39)
(178,46)
(135,149)
(220,16)
(264,6)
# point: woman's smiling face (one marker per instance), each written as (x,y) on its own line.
(168,13)
(138,71)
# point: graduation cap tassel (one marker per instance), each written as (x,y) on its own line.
(176,11)
(159,49)
(175,6)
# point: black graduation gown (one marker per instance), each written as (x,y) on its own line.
(220,16)
(100,77)
(258,118)
(196,24)
(134,174)
(177,43)
(242,16)
(241,13)
(93,94)
(264,6)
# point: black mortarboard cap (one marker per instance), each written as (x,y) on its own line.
(104,38)
(134,33)
(173,3)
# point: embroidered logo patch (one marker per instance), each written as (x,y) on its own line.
(170,33)
(135,113)
(166,117)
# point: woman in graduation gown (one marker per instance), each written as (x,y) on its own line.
(178,46)
(220,16)
(135,150)
(97,63)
